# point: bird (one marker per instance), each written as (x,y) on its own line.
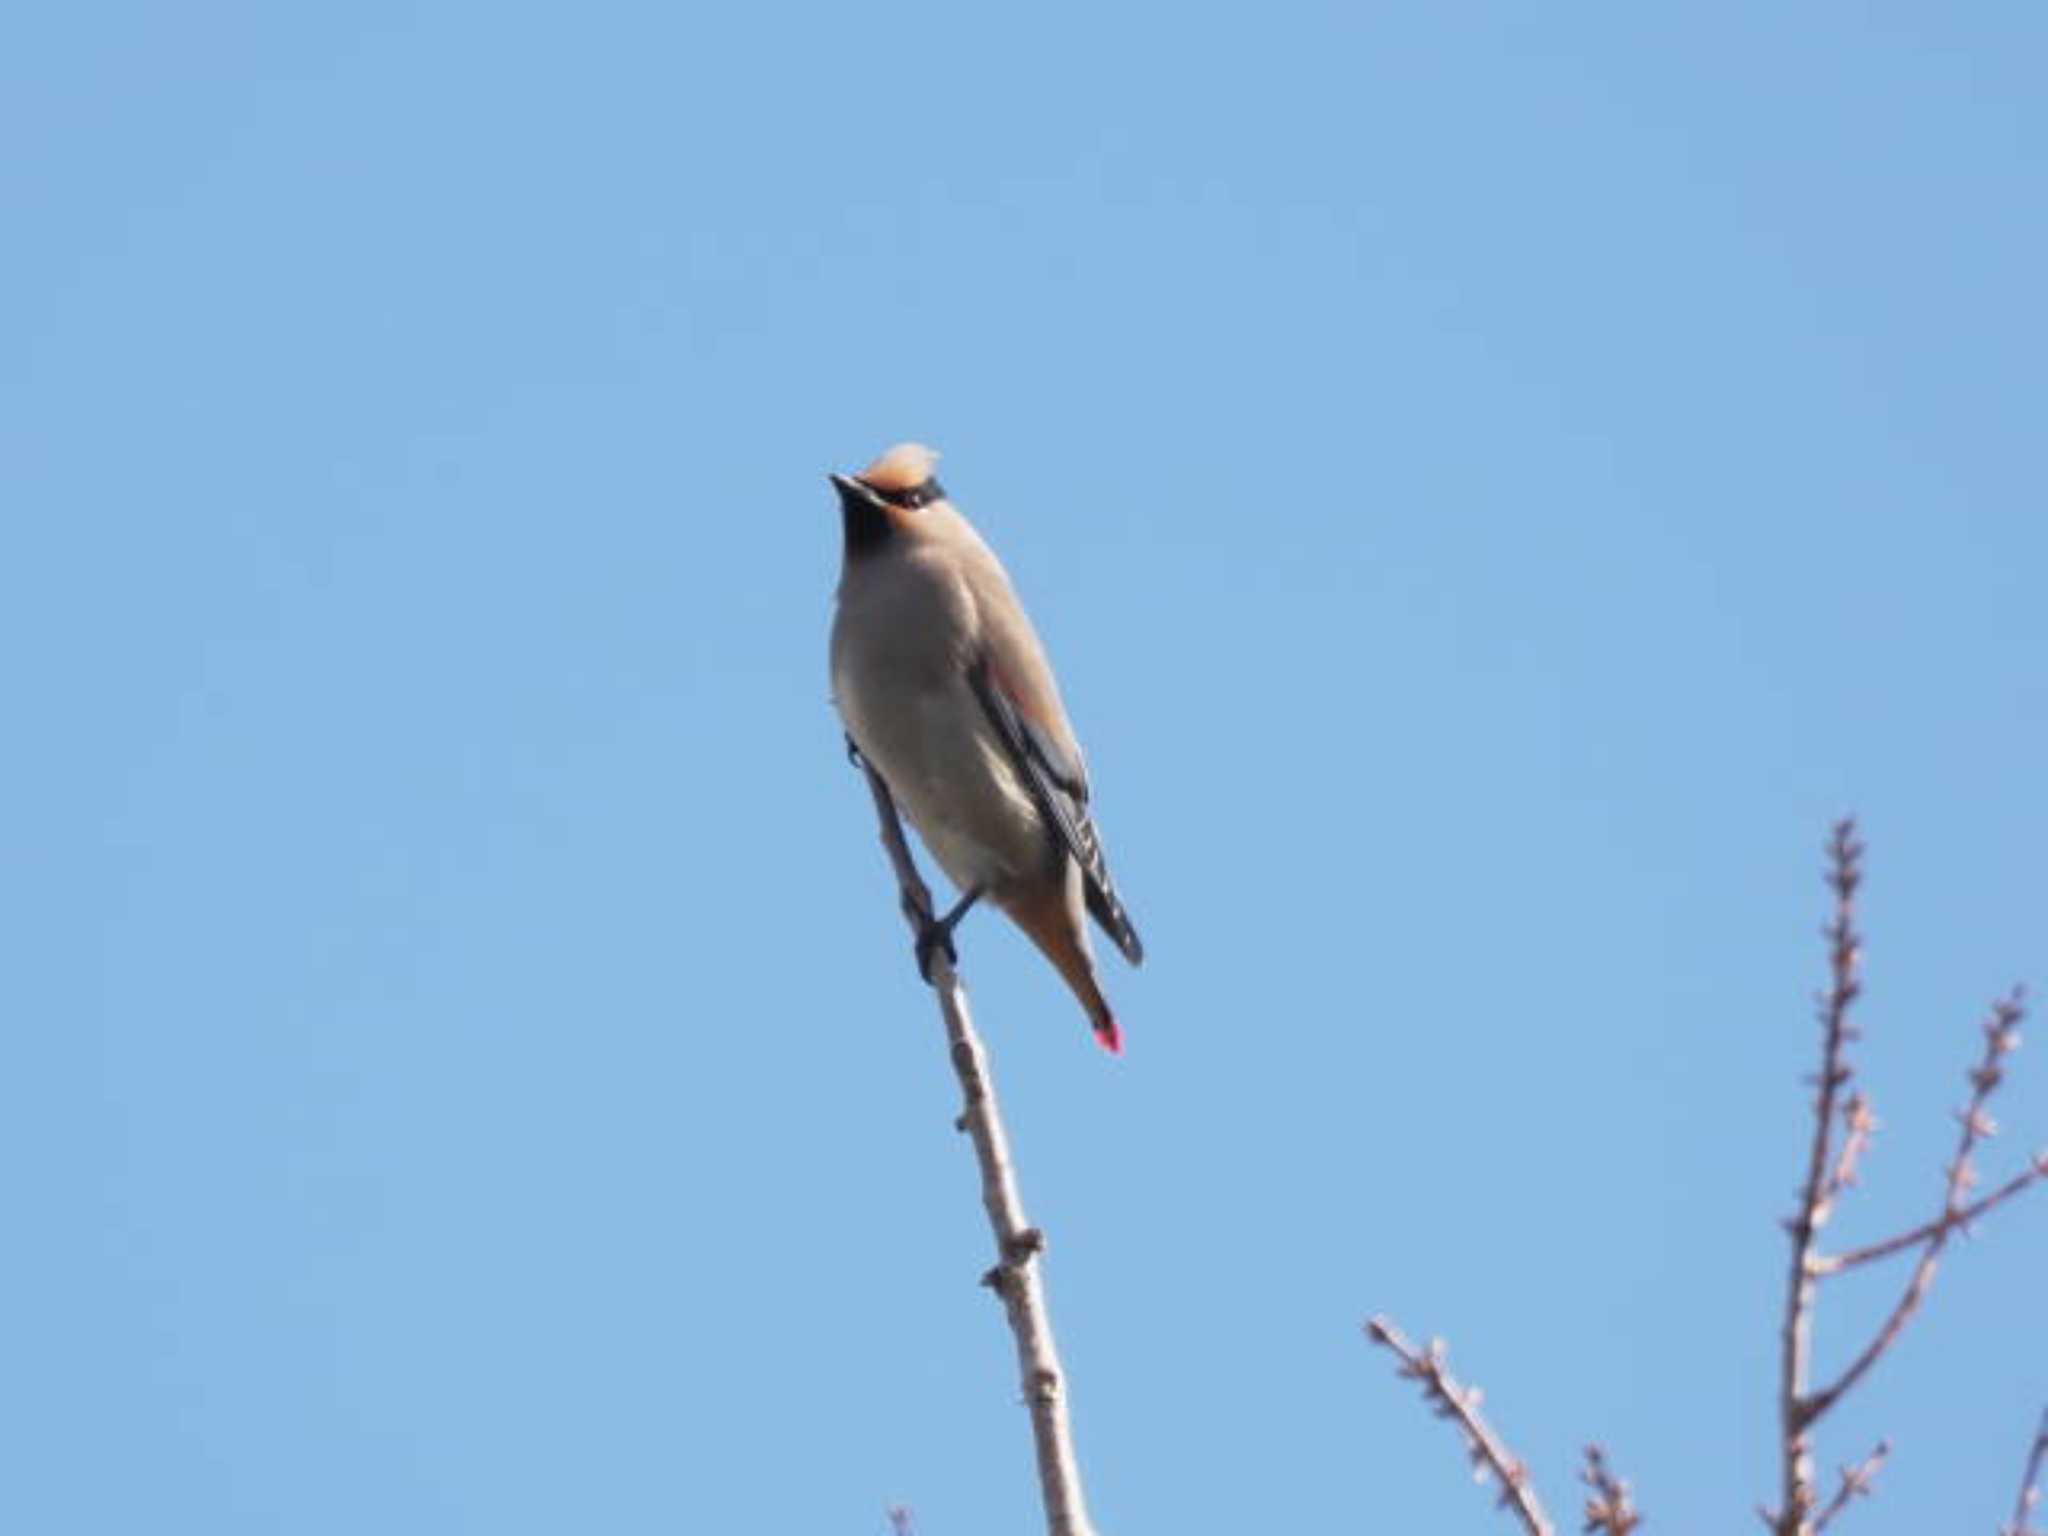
(946,692)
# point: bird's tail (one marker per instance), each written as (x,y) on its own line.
(1057,929)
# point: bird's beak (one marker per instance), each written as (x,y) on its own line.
(852,492)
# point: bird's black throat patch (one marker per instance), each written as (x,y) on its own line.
(868,528)
(867,524)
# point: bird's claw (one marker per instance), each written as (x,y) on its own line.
(934,937)
(936,933)
(853,754)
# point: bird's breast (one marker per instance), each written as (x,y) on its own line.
(899,677)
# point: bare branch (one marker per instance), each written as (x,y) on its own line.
(1829,1173)
(1845,874)
(1857,1483)
(2030,1485)
(1015,1276)
(2001,1038)
(1608,1508)
(1831,1264)
(916,895)
(1449,1400)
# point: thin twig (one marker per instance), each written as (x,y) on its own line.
(916,895)
(1859,1123)
(1608,1508)
(2001,1038)
(1450,1400)
(1797,1496)
(2030,1484)
(1857,1482)
(1835,1263)
(1014,1278)
(1830,1173)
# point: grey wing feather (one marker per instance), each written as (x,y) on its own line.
(1060,788)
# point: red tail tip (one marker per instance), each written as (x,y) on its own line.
(1111,1037)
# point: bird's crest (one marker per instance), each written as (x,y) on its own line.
(903,468)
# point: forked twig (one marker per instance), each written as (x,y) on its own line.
(1818,1191)
(1831,1169)
(1015,1275)
(2001,1038)
(1830,1172)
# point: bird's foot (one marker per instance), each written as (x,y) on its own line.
(935,934)
(853,754)
(932,940)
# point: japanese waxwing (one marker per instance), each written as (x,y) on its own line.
(947,693)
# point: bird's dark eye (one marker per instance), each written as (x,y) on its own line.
(914,497)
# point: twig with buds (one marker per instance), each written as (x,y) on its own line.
(1830,1172)
(1014,1277)
(1450,1400)
(1609,1511)
(1858,1482)
(1824,1182)
(2001,1038)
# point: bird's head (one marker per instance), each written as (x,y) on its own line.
(879,501)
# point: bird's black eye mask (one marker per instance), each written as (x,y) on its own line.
(913,498)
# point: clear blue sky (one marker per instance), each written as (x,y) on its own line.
(1495,485)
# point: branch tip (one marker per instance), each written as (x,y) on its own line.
(1448,1399)
(1609,1509)
(1831,1170)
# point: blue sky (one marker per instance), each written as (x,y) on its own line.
(1495,484)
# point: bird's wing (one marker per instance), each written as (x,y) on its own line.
(1059,784)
